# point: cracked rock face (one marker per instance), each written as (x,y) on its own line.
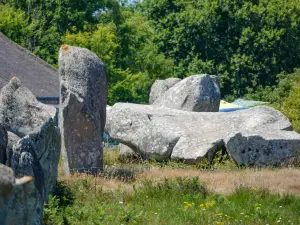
(32,149)
(162,133)
(197,93)
(83,85)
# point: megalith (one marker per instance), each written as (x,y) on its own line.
(260,136)
(196,93)
(82,113)
(32,149)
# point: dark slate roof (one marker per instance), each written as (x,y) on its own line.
(41,78)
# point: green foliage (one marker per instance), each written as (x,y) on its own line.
(284,96)
(169,201)
(132,60)
(290,106)
(13,23)
(246,43)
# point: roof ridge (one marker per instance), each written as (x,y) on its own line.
(35,57)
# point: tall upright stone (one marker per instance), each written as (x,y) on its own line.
(32,146)
(82,114)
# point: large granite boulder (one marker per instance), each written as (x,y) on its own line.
(33,149)
(163,133)
(159,87)
(83,96)
(198,93)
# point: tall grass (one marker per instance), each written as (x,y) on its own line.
(168,201)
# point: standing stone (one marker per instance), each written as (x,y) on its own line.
(33,149)
(83,96)
(198,93)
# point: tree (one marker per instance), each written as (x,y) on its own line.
(245,42)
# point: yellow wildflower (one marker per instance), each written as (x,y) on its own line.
(210,204)
(219,223)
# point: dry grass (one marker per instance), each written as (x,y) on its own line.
(282,181)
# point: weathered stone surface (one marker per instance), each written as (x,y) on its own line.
(3,144)
(12,140)
(125,151)
(163,133)
(198,93)
(33,150)
(159,87)
(264,148)
(20,112)
(7,180)
(82,117)
(8,186)
(26,205)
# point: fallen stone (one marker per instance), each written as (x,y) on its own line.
(198,93)
(163,133)
(159,87)
(264,148)
(82,117)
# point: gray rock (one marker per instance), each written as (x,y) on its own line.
(3,144)
(82,117)
(264,148)
(33,150)
(26,205)
(199,93)
(8,186)
(7,180)
(163,133)
(12,140)
(159,87)
(20,112)
(126,151)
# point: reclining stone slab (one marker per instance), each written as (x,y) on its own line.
(163,133)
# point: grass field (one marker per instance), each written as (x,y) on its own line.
(173,193)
